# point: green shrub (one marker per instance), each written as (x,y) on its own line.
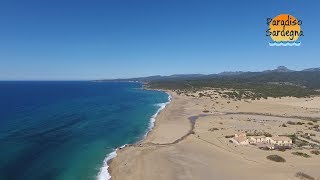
(266,134)
(316,152)
(301,154)
(229,136)
(302,175)
(276,158)
(213,129)
(291,123)
(300,123)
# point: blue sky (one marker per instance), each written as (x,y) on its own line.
(95,39)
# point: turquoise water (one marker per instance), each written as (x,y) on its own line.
(65,130)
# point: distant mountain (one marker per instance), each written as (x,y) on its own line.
(138,79)
(280,75)
(230,73)
(280,69)
(157,78)
(312,69)
(185,75)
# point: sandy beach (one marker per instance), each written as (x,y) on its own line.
(188,141)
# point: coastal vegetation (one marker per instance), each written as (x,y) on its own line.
(246,85)
(236,90)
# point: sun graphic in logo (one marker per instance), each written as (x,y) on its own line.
(284,30)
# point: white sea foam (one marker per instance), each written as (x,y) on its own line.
(104,173)
(153,118)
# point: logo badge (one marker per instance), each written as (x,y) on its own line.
(284,30)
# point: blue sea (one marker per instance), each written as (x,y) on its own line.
(68,130)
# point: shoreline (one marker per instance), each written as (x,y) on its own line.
(153,117)
(104,172)
(147,138)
